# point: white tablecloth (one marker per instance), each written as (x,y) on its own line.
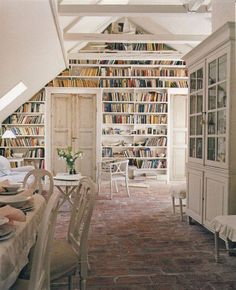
(14,252)
(226,226)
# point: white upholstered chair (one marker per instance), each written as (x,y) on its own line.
(40,273)
(36,180)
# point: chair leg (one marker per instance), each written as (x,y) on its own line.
(70,282)
(82,284)
(181,209)
(173,204)
(116,186)
(217,247)
(111,189)
(127,187)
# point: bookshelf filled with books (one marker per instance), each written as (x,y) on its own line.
(135,126)
(27,124)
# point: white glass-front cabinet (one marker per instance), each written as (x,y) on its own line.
(211,167)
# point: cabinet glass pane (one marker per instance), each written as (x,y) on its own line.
(200,79)
(221,95)
(221,122)
(193,82)
(221,149)
(192,125)
(222,68)
(199,148)
(211,123)
(199,103)
(212,98)
(192,150)
(211,149)
(192,104)
(199,125)
(212,72)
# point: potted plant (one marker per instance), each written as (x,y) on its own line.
(70,158)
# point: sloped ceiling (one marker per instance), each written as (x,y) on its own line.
(30,50)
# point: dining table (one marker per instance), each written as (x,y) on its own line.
(15,250)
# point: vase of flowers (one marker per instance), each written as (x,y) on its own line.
(70,158)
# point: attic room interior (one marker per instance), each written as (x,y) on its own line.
(117,160)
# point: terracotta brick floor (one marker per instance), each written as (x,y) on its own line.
(137,243)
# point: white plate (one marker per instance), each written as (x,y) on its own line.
(15,201)
(66,176)
(11,192)
(8,236)
(3,220)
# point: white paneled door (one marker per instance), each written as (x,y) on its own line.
(178,137)
(73,123)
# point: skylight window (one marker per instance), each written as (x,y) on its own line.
(12,95)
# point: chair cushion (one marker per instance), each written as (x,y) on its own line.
(64,260)
(20,284)
(178,190)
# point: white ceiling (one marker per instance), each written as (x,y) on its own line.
(171,24)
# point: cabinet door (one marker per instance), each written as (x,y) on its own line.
(61,131)
(195,194)
(217,109)
(196,114)
(178,137)
(84,132)
(215,197)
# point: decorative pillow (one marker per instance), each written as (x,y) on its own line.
(4,163)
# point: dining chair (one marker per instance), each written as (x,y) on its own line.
(71,256)
(40,273)
(119,172)
(35,179)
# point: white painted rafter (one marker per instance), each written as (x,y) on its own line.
(134,38)
(124,10)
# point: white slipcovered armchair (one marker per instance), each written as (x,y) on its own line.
(12,174)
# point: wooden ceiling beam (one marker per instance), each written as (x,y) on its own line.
(134,38)
(124,10)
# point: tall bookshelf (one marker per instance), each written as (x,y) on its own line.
(27,123)
(134,106)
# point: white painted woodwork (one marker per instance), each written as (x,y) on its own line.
(135,38)
(195,194)
(178,135)
(211,184)
(72,123)
(222,12)
(124,10)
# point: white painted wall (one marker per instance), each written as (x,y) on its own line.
(30,50)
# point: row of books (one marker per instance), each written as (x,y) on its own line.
(121,108)
(20,119)
(142,83)
(144,152)
(35,153)
(31,108)
(149,164)
(132,119)
(28,130)
(122,83)
(138,46)
(39,97)
(156,141)
(152,97)
(23,142)
(131,108)
(124,62)
(160,72)
(144,131)
(84,71)
(118,97)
